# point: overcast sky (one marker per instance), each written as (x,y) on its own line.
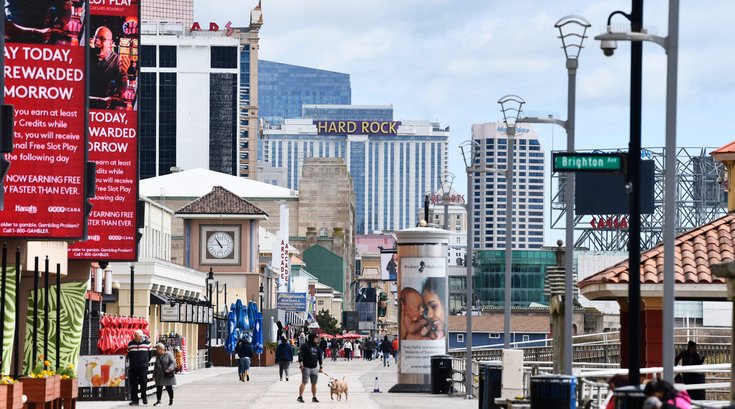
(450,61)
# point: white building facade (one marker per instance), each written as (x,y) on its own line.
(489,188)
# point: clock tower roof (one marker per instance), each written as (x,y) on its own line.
(221,201)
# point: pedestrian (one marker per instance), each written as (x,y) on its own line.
(356,347)
(244,350)
(369,347)
(309,357)
(395,348)
(614,382)
(139,356)
(164,374)
(348,350)
(301,340)
(386,347)
(334,346)
(690,356)
(284,357)
(662,394)
(323,347)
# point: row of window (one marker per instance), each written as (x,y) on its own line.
(220,57)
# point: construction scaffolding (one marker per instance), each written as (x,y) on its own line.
(701,198)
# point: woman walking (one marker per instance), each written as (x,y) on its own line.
(163,374)
(244,350)
(284,357)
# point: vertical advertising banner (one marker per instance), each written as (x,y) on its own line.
(281,258)
(423,312)
(113,131)
(45,80)
(389,265)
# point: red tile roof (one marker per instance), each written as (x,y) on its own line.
(694,252)
(221,201)
(729,148)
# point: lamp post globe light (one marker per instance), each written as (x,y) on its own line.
(511,107)
(572,32)
(471,156)
(670,43)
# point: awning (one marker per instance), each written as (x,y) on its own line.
(159,299)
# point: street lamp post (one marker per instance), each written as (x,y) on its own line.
(670,44)
(446,186)
(572,32)
(132,290)
(209,281)
(261,293)
(511,107)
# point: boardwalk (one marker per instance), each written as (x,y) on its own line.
(220,388)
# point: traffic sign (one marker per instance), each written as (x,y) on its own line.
(588,162)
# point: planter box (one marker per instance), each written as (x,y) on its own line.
(42,390)
(4,396)
(268,358)
(14,396)
(69,389)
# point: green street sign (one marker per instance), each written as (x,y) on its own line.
(588,162)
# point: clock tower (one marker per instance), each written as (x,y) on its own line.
(221,234)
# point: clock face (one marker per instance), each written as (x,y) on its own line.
(220,245)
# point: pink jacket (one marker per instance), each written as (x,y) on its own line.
(681,401)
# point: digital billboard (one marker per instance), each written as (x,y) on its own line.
(602,193)
(113,131)
(45,80)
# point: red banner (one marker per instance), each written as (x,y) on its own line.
(45,81)
(113,132)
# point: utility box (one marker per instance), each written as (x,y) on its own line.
(512,378)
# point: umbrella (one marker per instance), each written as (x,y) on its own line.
(326,336)
(351,335)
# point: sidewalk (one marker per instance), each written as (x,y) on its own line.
(220,388)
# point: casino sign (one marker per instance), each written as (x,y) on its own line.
(357,127)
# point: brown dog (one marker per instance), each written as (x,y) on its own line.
(337,387)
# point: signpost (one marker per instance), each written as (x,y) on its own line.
(588,162)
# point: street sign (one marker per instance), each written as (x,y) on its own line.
(588,162)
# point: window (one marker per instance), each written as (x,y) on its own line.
(167,56)
(148,56)
(494,336)
(223,57)
(526,338)
(460,337)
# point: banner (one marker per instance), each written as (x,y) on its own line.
(45,80)
(389,266)
(113,132)
(295,302)
(101,371)
(422,309)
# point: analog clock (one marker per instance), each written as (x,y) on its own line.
(220,245)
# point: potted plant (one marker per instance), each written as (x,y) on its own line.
(41,385)
(12,395)
(69,382)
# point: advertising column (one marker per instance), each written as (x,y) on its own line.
(113,131)
(422,305)
(45,80)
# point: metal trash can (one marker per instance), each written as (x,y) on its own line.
(629,397)
(491,380)
(553,391)
(441,370)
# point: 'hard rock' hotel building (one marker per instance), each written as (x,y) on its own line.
(393,164)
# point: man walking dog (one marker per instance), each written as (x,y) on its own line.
(309,356)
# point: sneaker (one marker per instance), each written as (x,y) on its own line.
(300,399)
(134,403)
(145,401)
(158,403)
(171,403)
(314,399)
(248,376)
(287,379)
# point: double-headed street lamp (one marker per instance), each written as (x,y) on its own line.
(572,32)
(446,186)
(670,43)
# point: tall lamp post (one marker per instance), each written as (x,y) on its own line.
(132,290)
(446,186)
(572,32)
(670,44)
(209,282)
(261,293)
(511,107)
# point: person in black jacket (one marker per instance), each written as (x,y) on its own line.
(244,350)
(323,347)
(387,349)
(284,357)
(309,357)
(334,346)
(139,356)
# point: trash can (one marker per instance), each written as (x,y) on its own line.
(629,397)
(441,370)
(491,379)
(553,391)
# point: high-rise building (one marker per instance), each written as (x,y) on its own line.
(196,109)
(284,89)
(172,11)
(489,188)
(393,164)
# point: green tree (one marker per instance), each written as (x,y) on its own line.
(327,322)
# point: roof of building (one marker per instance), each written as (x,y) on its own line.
(198,182)
(221,201)
(538,323)
(695,251)
(729,148)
